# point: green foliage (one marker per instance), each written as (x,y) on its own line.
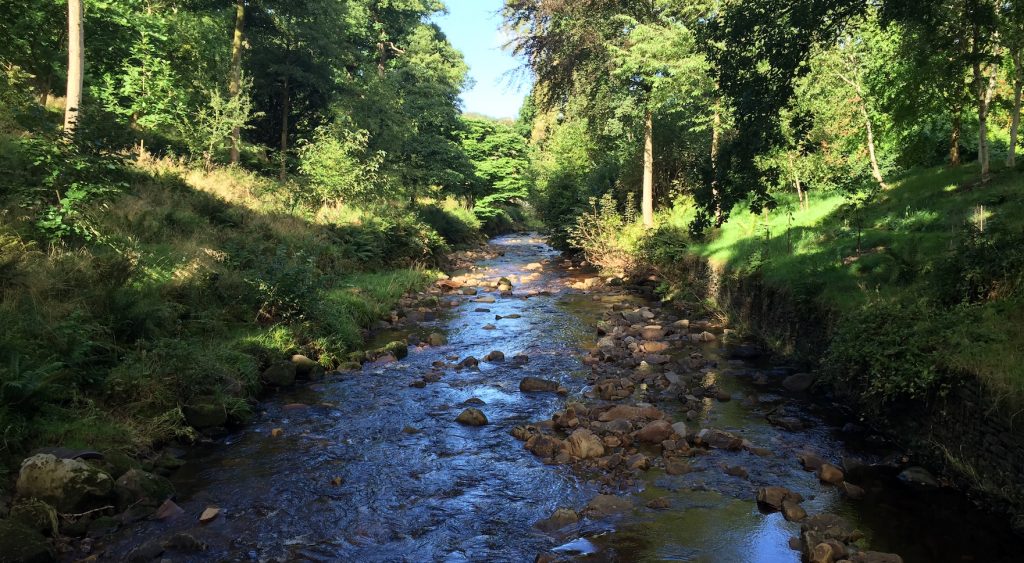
(891,351)
(457,224)
(599,234)
(205,129)
(338,168)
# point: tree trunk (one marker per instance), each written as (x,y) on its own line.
(983,96)
(1018,83)
(716,125)
(647,201)
(797,183)
(954,138)
(285,102)
(76,62)
(235,86)
(876,171)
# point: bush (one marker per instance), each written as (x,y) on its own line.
(981,266)
(890,351)
(453,221)
(600,234)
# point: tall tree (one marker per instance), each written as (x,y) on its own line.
(76,64)
(235,85)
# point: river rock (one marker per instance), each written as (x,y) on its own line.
(536,384)
(206,414)
(720,439)
(799,382)
(773,497)
(628,412)
(792,511)
(582,443)
(830,474)
(918,477)
(436,339)
(606,505)
(495,356)
(654,347)
(468,362)
(679,428)
(638,462)
(561,518)
(810,461)
(674,466)
(652,332)
(852,491)
(397,348)
(70,485)
(543,445)
(22,544)
(35,514)
(279,374)
(306,368)
(137,487)
(654,432)
(471,417)
(830,527)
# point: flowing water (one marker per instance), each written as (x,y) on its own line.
(368,468)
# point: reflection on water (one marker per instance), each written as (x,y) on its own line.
(415,486)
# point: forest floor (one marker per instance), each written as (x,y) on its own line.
(543,412)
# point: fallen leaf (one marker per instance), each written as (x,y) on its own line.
(337,481)
(209,514)
(277,432)
(168,510)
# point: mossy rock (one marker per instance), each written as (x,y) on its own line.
(37,515)
(140,488)
(22,544)
(280,374)
(70,485)
(206,414)
(398,349)
(118,463)
(357,357)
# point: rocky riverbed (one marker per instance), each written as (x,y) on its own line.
(523,409)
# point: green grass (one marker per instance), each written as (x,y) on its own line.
(906,245)
(197,284)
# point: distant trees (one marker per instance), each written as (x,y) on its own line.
(723,102)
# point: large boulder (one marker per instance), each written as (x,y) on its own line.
(306,368)
(206,414)
(773,497)
(70,485)
(137,487)
(561,518)
(471,417)
(799,382)
(35,514)
(536,384)
(22,544)
(280,374)
(655,432)
(584,444)
(720,439)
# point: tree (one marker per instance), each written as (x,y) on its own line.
(1011,31)
(235,83)
(645,50)
(76,64)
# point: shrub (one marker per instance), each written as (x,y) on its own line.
(599,234)
(453,221)
(890,351)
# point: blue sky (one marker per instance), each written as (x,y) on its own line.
(474,27)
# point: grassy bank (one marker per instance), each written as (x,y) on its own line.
(920,283)
(191,284)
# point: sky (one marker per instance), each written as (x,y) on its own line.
(474,27)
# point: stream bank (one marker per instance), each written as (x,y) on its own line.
(370,464)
